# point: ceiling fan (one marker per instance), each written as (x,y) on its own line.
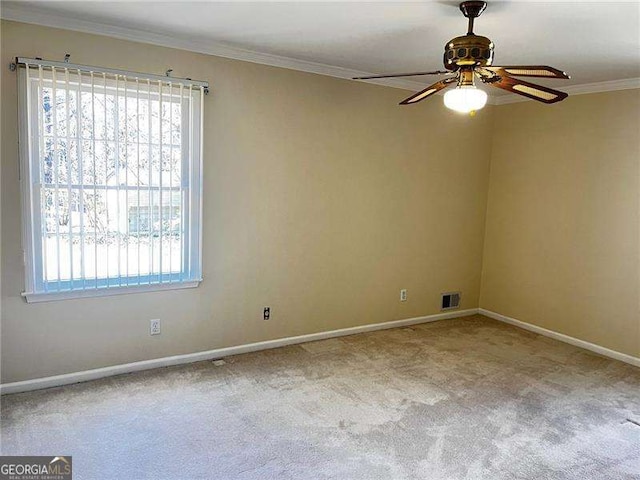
(469,56)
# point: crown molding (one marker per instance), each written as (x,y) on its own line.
(598,87)
(25,14)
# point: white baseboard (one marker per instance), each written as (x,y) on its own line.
(623,357)
(86,375)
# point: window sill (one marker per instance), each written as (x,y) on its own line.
(32,297)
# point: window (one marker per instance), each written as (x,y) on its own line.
(111,178)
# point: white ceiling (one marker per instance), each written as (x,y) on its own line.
(592,41)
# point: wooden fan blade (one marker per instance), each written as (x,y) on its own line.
(427,92)
(540,71)
(394,75)
(531,90)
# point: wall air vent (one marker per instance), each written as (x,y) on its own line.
(450,300)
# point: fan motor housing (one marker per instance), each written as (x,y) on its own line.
(468,50)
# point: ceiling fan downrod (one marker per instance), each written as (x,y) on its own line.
(472,10)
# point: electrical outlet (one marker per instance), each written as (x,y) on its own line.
(154,326)
(403,295)
(266,313)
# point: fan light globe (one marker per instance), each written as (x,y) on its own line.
(465,99)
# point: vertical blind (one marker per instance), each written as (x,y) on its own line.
(111,178)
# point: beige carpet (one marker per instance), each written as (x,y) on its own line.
(457,399)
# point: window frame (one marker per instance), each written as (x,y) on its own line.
(33,214)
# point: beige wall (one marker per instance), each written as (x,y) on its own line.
(562,245)
(322,199)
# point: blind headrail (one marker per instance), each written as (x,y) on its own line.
(23,61)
